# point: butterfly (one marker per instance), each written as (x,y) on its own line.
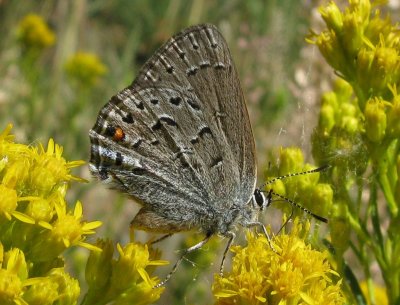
(179,141)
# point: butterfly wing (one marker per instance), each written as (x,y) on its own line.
(179,138)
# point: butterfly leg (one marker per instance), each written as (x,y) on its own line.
(264,229)
(231,237)
(161,238)
(185,252)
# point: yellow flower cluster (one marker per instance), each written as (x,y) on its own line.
(85,68)
(363,47)
(124,280)
(359,128)
(33,33)
(297,275)
(17,288)
(35,224)
(36,227)
(304,189)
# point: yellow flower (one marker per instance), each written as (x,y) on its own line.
(126,280)
(134,257)
(32,175)
(332,16)
(99,267)
(50,169)
(297,275)
(67,230)
(68,289)
(13,274)
(375,119)
(8,201)
(33,184)
(34,33)
(36,224)
(39,209)
(361,45)
(85,68)
(42,292)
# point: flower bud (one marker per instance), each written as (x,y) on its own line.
(8,201)
(40,210)
(331,49)
(353,33)
(98,267)
(332,17)
(291,160)
(320,199)
(43,292)
(278,186)
(15,262)
(375,120)
(326,118)
(68,287)
(10,287)
(350,124)
(339,228)
(384,69)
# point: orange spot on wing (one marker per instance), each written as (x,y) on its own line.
(119,134)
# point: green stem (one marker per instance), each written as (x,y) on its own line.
(386,188)
(360,230)
(374,214)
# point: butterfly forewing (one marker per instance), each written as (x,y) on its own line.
(179,137)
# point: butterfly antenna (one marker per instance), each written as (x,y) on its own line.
(315,170)
(320,218)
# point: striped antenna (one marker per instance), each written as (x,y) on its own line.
(315,170)
(320,218)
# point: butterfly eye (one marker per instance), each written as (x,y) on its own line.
(259,198)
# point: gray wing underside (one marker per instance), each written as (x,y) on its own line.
(188,141)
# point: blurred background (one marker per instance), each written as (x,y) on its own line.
(60,62)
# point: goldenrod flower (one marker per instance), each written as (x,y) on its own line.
(99,267)
(32,175)
(50,168)
(42,292)
(8,201)
(11,283)
(85,68)
(362,46)
(68,289)
(67,230)
(34,33)
(126,279)
(291,160)
(375,120)
(297,275)
(36,225)
(361,130)
(13,276)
